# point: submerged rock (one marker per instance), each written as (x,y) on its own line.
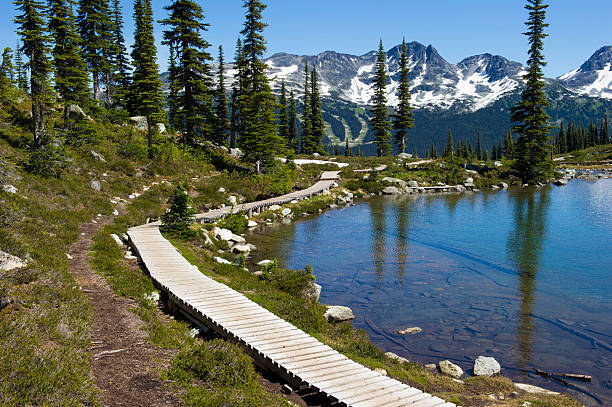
(338,313)
(486,366)
(534,389)
(410,331)
(450,369)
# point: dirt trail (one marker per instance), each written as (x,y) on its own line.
(125,367)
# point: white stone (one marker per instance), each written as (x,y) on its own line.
(232,199)
(251,246)
(115,212)
(503,185)
(264,263)
(450,369)
(236,152)
(390,191)
(404,156)
(221,260)
(161,127)
(400,359)
(241,248)
(252,224)
(286,212)
(9,262)
(68,256)
(486,366)
(222,234)
(410,331)
(95,185)
(116,239)
(338,313)
(238,239)
(381,371)
(274,208)
(413,184)
(207,240)
(9,189)
(222,190)
(98,156)
(497,164)
(534,389)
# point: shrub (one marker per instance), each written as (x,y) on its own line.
(236,222)
(179,216)
(289,281)
(48,160)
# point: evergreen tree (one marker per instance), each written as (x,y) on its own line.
(415,154)
(32,29)
(306,139)
(221,107)
(316,113)
(146,93)
(71,82)
(479,148)
(20,70)
(293,130)
(193,73)
(7,71)
(380,116)
(119,60)
(534,163)
(485,156)
(283,116)
(94,27)
(347,147)
(179,216)
(260,138)
(404,118)
(605,132)
(237,102)
(449,150)
(174,100)
(494,153)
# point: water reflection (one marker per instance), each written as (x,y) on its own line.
(404,213)
(377,210)
(524,250)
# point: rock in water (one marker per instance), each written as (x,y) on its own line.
(450,369)
(252,224)
(338,313)
(390,191)
(241,248)
(410,331)
(561,182)
(222,234)
(486,366)
(534,389)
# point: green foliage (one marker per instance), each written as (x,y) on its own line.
(236,222)
(290,281)
(403,118)
(380,116)
(179,216)
(48,161)
(221,109)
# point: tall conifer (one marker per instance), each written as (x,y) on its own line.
(283,116)
(193,73)
(404,118)
(479,148)
(120,65)
(146,92)
(306,137)
(380,116)
(237,99)
(529,116)
(260,138)
(221,109)
(94,27)
(316,113)
(21,76)
(7,71)
(293,130)
(31,27)
(71,82)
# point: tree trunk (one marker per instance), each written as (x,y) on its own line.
(96,85)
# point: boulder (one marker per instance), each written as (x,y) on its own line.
(252,224)
(274,208)
(232,199)
(534,389)
(469,185)
(469,180)
(140,122)
(497,164)
(410,331)
(207,240)
(561,182)
(312,291)
(460,188)
(486,366)
(450,369)
(338,313)
(400,359)
(396,181)
(431,366)
(264,263)
(251,246)
(9,262)
(503,185)
(236,153)
(95,185)
(241,249)
(221,260)
(161,128)
(237,239)
(222,234)
(116,239)
(404,156)
(286,212)
(413,184)
(390,191)
(381,371)
(9,189)
(222,190)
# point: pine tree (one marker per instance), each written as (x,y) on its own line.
(316,113)
(380,116)
(404,118)
(146,93)
(20,70)
(306,138)
(605,132)
(347,146)
(494,153)
(32,29)
(283,116)
(94,27)
(179,216)
(174,86)
(71,82)
(415,154)
(237,102)
(221,110)
(293,130)
(119,60)
(534,163)
(479,148)
(449,150)
(7,71)
(260,138)
(193,73)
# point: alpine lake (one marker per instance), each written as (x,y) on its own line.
(522,275)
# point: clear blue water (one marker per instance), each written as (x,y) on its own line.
(524,276)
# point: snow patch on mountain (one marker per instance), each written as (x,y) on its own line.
(594,77)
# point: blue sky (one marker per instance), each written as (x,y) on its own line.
(457,29)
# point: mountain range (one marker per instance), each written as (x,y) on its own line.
(474,95)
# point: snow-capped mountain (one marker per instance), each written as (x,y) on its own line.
(471,84)
(594,77)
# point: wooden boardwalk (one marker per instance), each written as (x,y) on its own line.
(273,343)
